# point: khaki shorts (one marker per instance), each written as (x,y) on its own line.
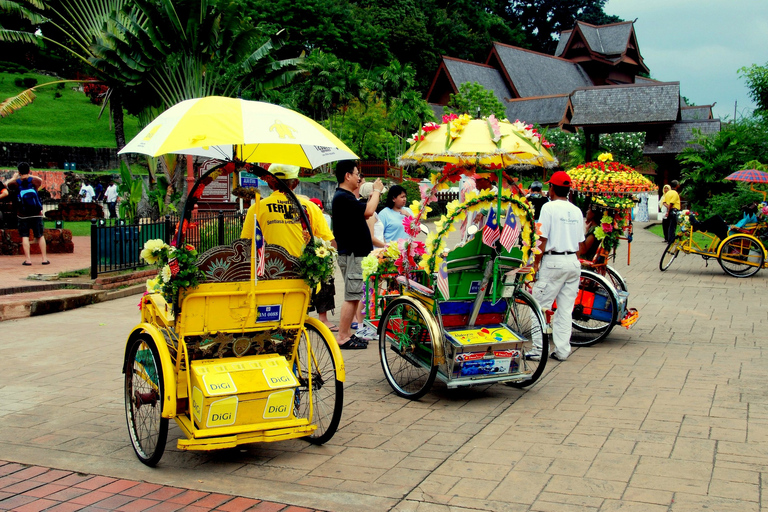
(352,269)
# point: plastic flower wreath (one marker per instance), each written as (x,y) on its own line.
(177,269)
(381,261)
(317,262)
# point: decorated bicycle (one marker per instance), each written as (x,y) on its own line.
(462,314)
(224,345)
(608,190)
(739,249)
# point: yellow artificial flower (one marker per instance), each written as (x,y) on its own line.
(165,273)
(321,252)
(152,284)
(605,157)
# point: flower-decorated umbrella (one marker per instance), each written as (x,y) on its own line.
(489,142)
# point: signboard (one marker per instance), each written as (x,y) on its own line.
(218,190)
(269,313)
(248,180)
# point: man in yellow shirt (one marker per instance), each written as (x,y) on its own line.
(671,201)
(279,221)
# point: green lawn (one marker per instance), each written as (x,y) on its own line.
(78,228)
(71,120)
(698,238)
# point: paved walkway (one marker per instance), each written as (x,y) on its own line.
(671,415)
(14,274)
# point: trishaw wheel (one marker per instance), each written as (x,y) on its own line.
(144,389)
(327,391)
(597,313)
(406,349)
(668,256)
(617,281)
(525,319)
(741,256)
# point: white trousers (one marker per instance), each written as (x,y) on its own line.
(558,279)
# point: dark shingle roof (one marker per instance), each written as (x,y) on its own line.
(624,104)
(462,71)
(697,113)
(608,40)
(437,110)
(547,111)
(536,74)
(674,139)
(564,36)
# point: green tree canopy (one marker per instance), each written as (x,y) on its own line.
(475,100)
(757,83)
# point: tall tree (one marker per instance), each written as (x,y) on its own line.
(543,20)
(757,83)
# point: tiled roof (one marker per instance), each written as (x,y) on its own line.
(608,40)
(462,71)
(697,113)
(546,111)
(674,139)
(564,36)
(536,74)
(623,104)
(437,110)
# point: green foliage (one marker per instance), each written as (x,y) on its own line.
(625,147)
(178,268)
(729,205)
(412,192)
(367,131)
(317,262)
(130,190)
(757,83)
(475,100)
(157,196)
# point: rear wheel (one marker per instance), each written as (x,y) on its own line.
(406,349)
(741,256)
(668,256)
(615,278)
(327,398)
(144,400)
(595,311)
(525,319)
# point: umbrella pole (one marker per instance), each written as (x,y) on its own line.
(753,189)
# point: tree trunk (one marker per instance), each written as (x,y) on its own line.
(116,109)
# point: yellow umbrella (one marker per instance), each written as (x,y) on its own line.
(484,142)
(236,129)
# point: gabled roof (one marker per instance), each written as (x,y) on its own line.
(673,139)
(696,113)
(545,111)
(614,43)
(459,71)
(626,104)
(536,74)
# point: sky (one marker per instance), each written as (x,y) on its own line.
(701,44)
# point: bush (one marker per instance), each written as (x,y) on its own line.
(13,67)
(728,205)
(412,192)
(18,82)
(30,82)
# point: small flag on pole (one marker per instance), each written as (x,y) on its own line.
(258,238)
(511,230)
(442,280)
(491,229)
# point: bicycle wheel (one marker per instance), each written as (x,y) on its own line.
(615,278)
(406,349)
(741,256)
(327,391)
(668,256)
(144,400)
(595,315)
(525,319)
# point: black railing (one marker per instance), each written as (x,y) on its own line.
(116,245)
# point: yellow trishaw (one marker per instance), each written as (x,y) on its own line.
(224,345)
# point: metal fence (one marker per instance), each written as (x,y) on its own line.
(116,245)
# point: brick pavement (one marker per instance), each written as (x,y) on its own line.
(671,415)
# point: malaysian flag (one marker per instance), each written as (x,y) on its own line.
(258,237)
(511,230)
(442,280)
(491,229)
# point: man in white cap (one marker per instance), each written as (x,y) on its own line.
(279,221)
(557,268)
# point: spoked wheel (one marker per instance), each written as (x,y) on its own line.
(741,256)
(668,256)
(406,348)
(144,400)
(525,319)
(615,278)
(327,391)
(595,311)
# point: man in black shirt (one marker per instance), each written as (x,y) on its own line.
(354,242)
(537,199)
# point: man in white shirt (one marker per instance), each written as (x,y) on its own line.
(111,199)
(557,267)
(86,192)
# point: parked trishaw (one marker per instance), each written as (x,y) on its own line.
(462,314)
(608,189)
(224,345)
(739,249)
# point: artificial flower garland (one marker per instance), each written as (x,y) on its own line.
(608,178)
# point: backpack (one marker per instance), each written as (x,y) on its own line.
(29,201)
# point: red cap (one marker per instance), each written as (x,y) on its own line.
(560,179)
(318,202)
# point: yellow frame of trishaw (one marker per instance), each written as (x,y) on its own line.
(157,317)
(688,245)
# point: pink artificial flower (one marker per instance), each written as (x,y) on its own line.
(411,225)
(449,117)
(607,228)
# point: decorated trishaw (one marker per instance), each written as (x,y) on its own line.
(739,249)
(224,345)
(462,314)
(607,192)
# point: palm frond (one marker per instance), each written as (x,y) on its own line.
(16,8)
(14,103)
(18,36)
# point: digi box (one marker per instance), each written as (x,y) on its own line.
(487,350)
(244,391)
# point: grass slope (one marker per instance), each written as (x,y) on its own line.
(71,120)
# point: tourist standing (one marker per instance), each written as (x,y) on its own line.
(537,199)
(672,202)
(111,198)
(29,211)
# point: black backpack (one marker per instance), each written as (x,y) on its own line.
(29,201)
